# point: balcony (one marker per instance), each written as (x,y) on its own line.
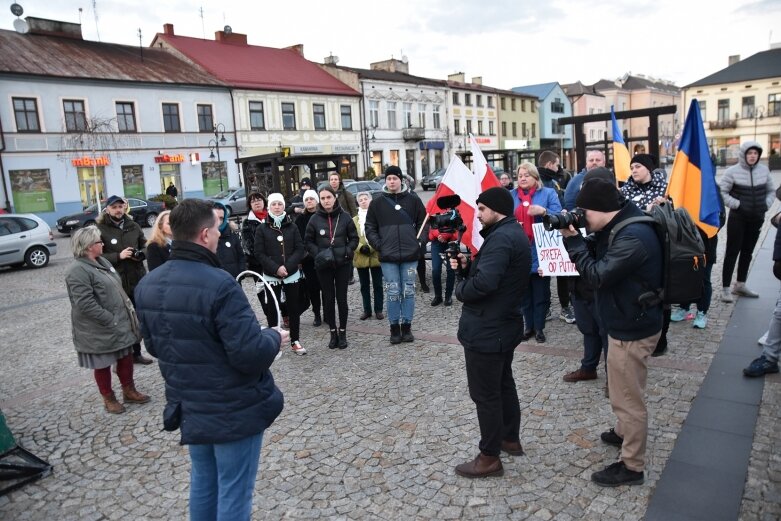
(414,134)
(722,124)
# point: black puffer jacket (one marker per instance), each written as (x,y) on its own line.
(337,224)
(301,223)
(248,228)
(230,252)
(393,232)
(115,239)
(748,189)
(271,252)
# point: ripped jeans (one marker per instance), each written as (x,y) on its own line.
(399,285)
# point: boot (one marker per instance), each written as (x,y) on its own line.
(481,467)
(132,396)
(111,403)
(395,334)
(318,320)
(342,339)
(334,340)
(406,333)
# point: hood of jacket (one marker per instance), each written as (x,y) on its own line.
(745,148)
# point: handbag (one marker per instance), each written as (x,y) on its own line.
(326,259)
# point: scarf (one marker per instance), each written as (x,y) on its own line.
(522,212)
(362,220)
(262,215)
(277,219)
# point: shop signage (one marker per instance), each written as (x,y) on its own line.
(90,161)
(308,149)
(432,145)
(483,140)
(345,149)
(173,158)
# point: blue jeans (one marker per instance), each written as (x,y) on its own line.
(536,303)
(594,336)
(772,348)
(436,270)
(400,289)
(222,479)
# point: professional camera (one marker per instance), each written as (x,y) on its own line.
(559,221)
(449,221)
(137,254)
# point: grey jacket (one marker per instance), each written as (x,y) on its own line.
(748,189)
(102,316)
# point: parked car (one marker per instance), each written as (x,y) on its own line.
(25,238)
(433,179)
(408,180)
(373,187)
(235,199)
(142,211)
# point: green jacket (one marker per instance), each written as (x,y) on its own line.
(102,316)
(361,260)
(116,239)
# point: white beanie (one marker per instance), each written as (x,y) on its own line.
(313,194)
(276,197)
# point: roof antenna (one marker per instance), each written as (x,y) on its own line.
(80,10)
(95,11)
(203,26)
(140,45)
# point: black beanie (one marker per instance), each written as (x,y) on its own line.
(600,195)
(497,199)
(600,172)
(647,160)
(393,170)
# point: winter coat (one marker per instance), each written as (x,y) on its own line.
(271,252)
(491,319)
(230,252)
(213,355)
(572,191)
(301,223)
(556,181)
(156,255)
(644,194)
(339,223)
(116,239)
(346,200)
(102,317)
(547,198)
(777,254)
(394,232)
(748,189)
(248,229)
(631,266)
(362,260)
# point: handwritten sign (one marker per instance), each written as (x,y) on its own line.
(551,253)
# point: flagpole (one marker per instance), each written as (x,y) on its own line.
(422,226)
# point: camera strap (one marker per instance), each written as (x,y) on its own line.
(399,209)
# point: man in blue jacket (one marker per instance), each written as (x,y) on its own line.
(215,360)
(624,270)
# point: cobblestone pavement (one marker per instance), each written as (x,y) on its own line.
(372,432)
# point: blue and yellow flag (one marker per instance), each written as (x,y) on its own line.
(620,152)
(692,183)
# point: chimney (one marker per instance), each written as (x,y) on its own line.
(168,29)
(229,37)
(732,60)
(477,80)
(297,48)
(392,65)
(330,60)
(46,27)
(457,76)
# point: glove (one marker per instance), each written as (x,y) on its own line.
(365,250)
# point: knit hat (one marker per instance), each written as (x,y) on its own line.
(276,197)
(305,181)
(311,193)
(115,199)
(647,160)
(393,170)
(600,172)
(600,195)
(497,199)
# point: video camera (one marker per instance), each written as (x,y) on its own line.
(559,221)
(449,221)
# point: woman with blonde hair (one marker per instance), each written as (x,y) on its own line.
(158,248)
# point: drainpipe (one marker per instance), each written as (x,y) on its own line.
(2,168)
(235,134)
(364,135)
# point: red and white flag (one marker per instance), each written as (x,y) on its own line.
(485,176)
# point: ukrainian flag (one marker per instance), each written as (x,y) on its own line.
(620,152)
(692,183)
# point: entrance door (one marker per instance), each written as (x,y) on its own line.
(411,163)
(424,163)
(92,185)
(171,174)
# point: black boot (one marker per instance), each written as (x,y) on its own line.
(334,340)
(395,334)
(406,333)
(342,336)
(317,321)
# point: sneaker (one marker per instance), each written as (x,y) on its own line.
(700,321)
(611,438)
(726,295)
(580,375)
(616,475)
(679,314)
(297,348)
(549,316)
(567,315)
(760,367)
(742,290)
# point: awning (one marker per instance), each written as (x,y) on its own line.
(432,145)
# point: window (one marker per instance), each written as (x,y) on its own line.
(523,105)
(515,129)
(422,115)
(171,117)
(467,99)
(534,129)
(479,100)
(436,116)
(257,118)
(591,110)
(723,110)
(556,106)
(374,113)
(491,128)
(533,105)
(318,115)
(504,128)
(480,128)
(773,104)
(126,117)
(75,117)
(512,104)
(347,117)
(455,99)
(468,126)
(205,118)
(555,128)
(524,132)
(288,116)
(392,115)
(457,127)
(702,111)
(591,134)
(503,102)
(490,102)
(747,109)
(407,115)
(26,114)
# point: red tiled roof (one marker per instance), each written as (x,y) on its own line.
(256,67)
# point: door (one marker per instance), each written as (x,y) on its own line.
(92,185)
(170,174)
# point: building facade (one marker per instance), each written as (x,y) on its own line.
(518,120)
(553,104)
(474,110)
(587,101)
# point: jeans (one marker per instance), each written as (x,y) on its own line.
(436,270)
(772,347)
(222,479)
(535,303)
(742,236)
(594,336)
(375,274)
(400,289)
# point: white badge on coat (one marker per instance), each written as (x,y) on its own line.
(279,238)
(398,207)
(227,244)
(113,241)
(322,232)
(526,203)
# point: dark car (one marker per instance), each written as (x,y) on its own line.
(142,211)
(373,187)
(408,180)
(432,180)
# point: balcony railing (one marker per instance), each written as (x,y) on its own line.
(724,123)
(414,134)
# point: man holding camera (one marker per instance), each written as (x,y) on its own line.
(624,268)
(123,240)
(491,326)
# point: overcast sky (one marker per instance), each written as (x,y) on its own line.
(507,42)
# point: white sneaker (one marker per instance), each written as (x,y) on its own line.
(741,289)
(297,348)
(726,295)
(279,355)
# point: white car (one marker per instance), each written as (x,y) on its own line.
(25,239)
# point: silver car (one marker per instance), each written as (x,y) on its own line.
(235,199)
(25,239)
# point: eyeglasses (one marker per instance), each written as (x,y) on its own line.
(96,242)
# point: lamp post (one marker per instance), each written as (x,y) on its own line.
(215,143)
(758,115)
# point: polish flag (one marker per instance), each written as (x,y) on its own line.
(485,176)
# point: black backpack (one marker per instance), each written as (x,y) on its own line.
(682,249)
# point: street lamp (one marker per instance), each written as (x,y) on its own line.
(758,115)
(215,143)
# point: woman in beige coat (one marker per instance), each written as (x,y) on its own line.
(367,261)
(103,319)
